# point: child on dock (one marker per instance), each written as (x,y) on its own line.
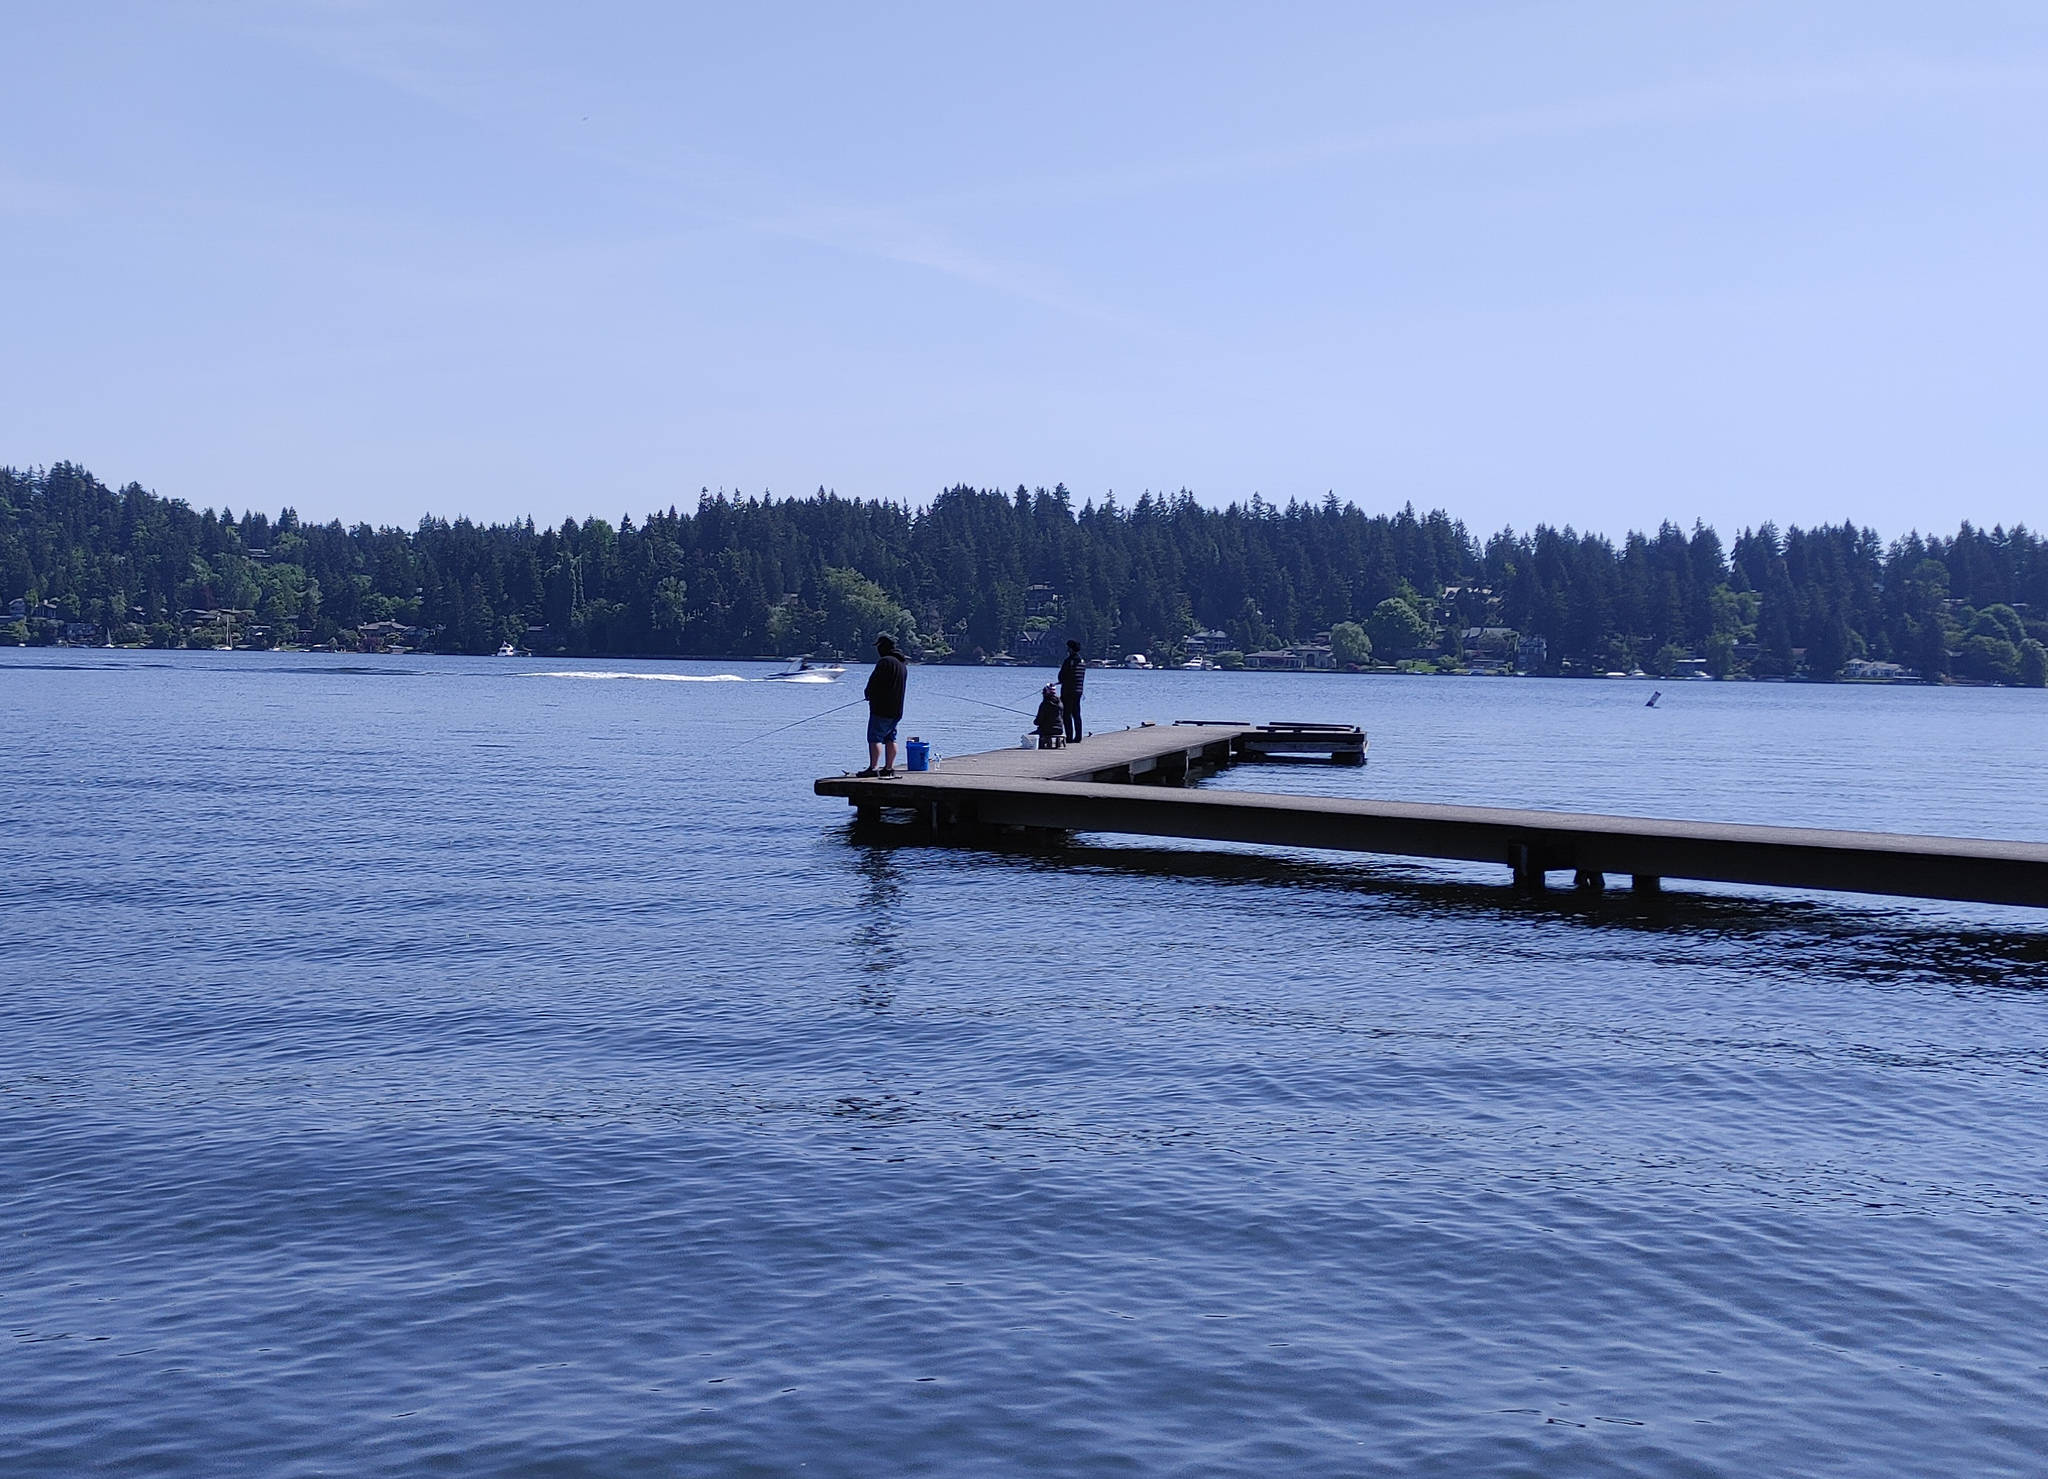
(1048,721)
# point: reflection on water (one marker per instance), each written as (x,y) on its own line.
(876,938)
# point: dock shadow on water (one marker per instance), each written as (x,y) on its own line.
(1878,941)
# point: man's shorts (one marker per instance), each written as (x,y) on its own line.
(881,731)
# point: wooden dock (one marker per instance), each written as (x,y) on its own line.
(1134,781)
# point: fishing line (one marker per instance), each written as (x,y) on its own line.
(822,713)
(985,704)
(742,744)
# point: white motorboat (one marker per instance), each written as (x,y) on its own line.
(807,672)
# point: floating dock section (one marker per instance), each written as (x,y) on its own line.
(1135,782)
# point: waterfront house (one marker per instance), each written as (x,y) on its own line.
(377,634)
(1043,647)
(1487,648)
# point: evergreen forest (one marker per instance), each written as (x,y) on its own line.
(981,575)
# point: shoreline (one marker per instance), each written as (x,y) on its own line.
(1372,672)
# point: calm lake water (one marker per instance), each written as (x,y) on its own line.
(436,1066)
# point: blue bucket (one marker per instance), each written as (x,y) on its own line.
(917,754)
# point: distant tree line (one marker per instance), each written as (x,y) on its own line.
(979,573)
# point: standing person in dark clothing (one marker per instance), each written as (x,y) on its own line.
(1073,677)
(885,706)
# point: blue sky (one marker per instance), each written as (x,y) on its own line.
(1597,263)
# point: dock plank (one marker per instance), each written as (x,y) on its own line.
(1142,747)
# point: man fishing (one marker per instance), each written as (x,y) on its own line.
(1073,677)
(884,694)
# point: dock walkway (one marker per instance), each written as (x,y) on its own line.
(1133,781)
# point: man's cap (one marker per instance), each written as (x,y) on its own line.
(883,644)
(1072,645)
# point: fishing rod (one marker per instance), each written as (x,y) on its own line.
(822,713)
(794,722)
(986,704)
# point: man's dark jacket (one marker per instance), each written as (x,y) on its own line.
(885,687)
(1073,675)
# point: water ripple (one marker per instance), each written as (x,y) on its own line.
(490,1078)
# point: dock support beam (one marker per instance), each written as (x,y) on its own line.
(1647,884)
(1528,869)
(1589,881)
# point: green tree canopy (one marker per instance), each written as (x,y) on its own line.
(1396,628)
(1350,645)
(982,571)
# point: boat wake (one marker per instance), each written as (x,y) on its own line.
(653,677)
